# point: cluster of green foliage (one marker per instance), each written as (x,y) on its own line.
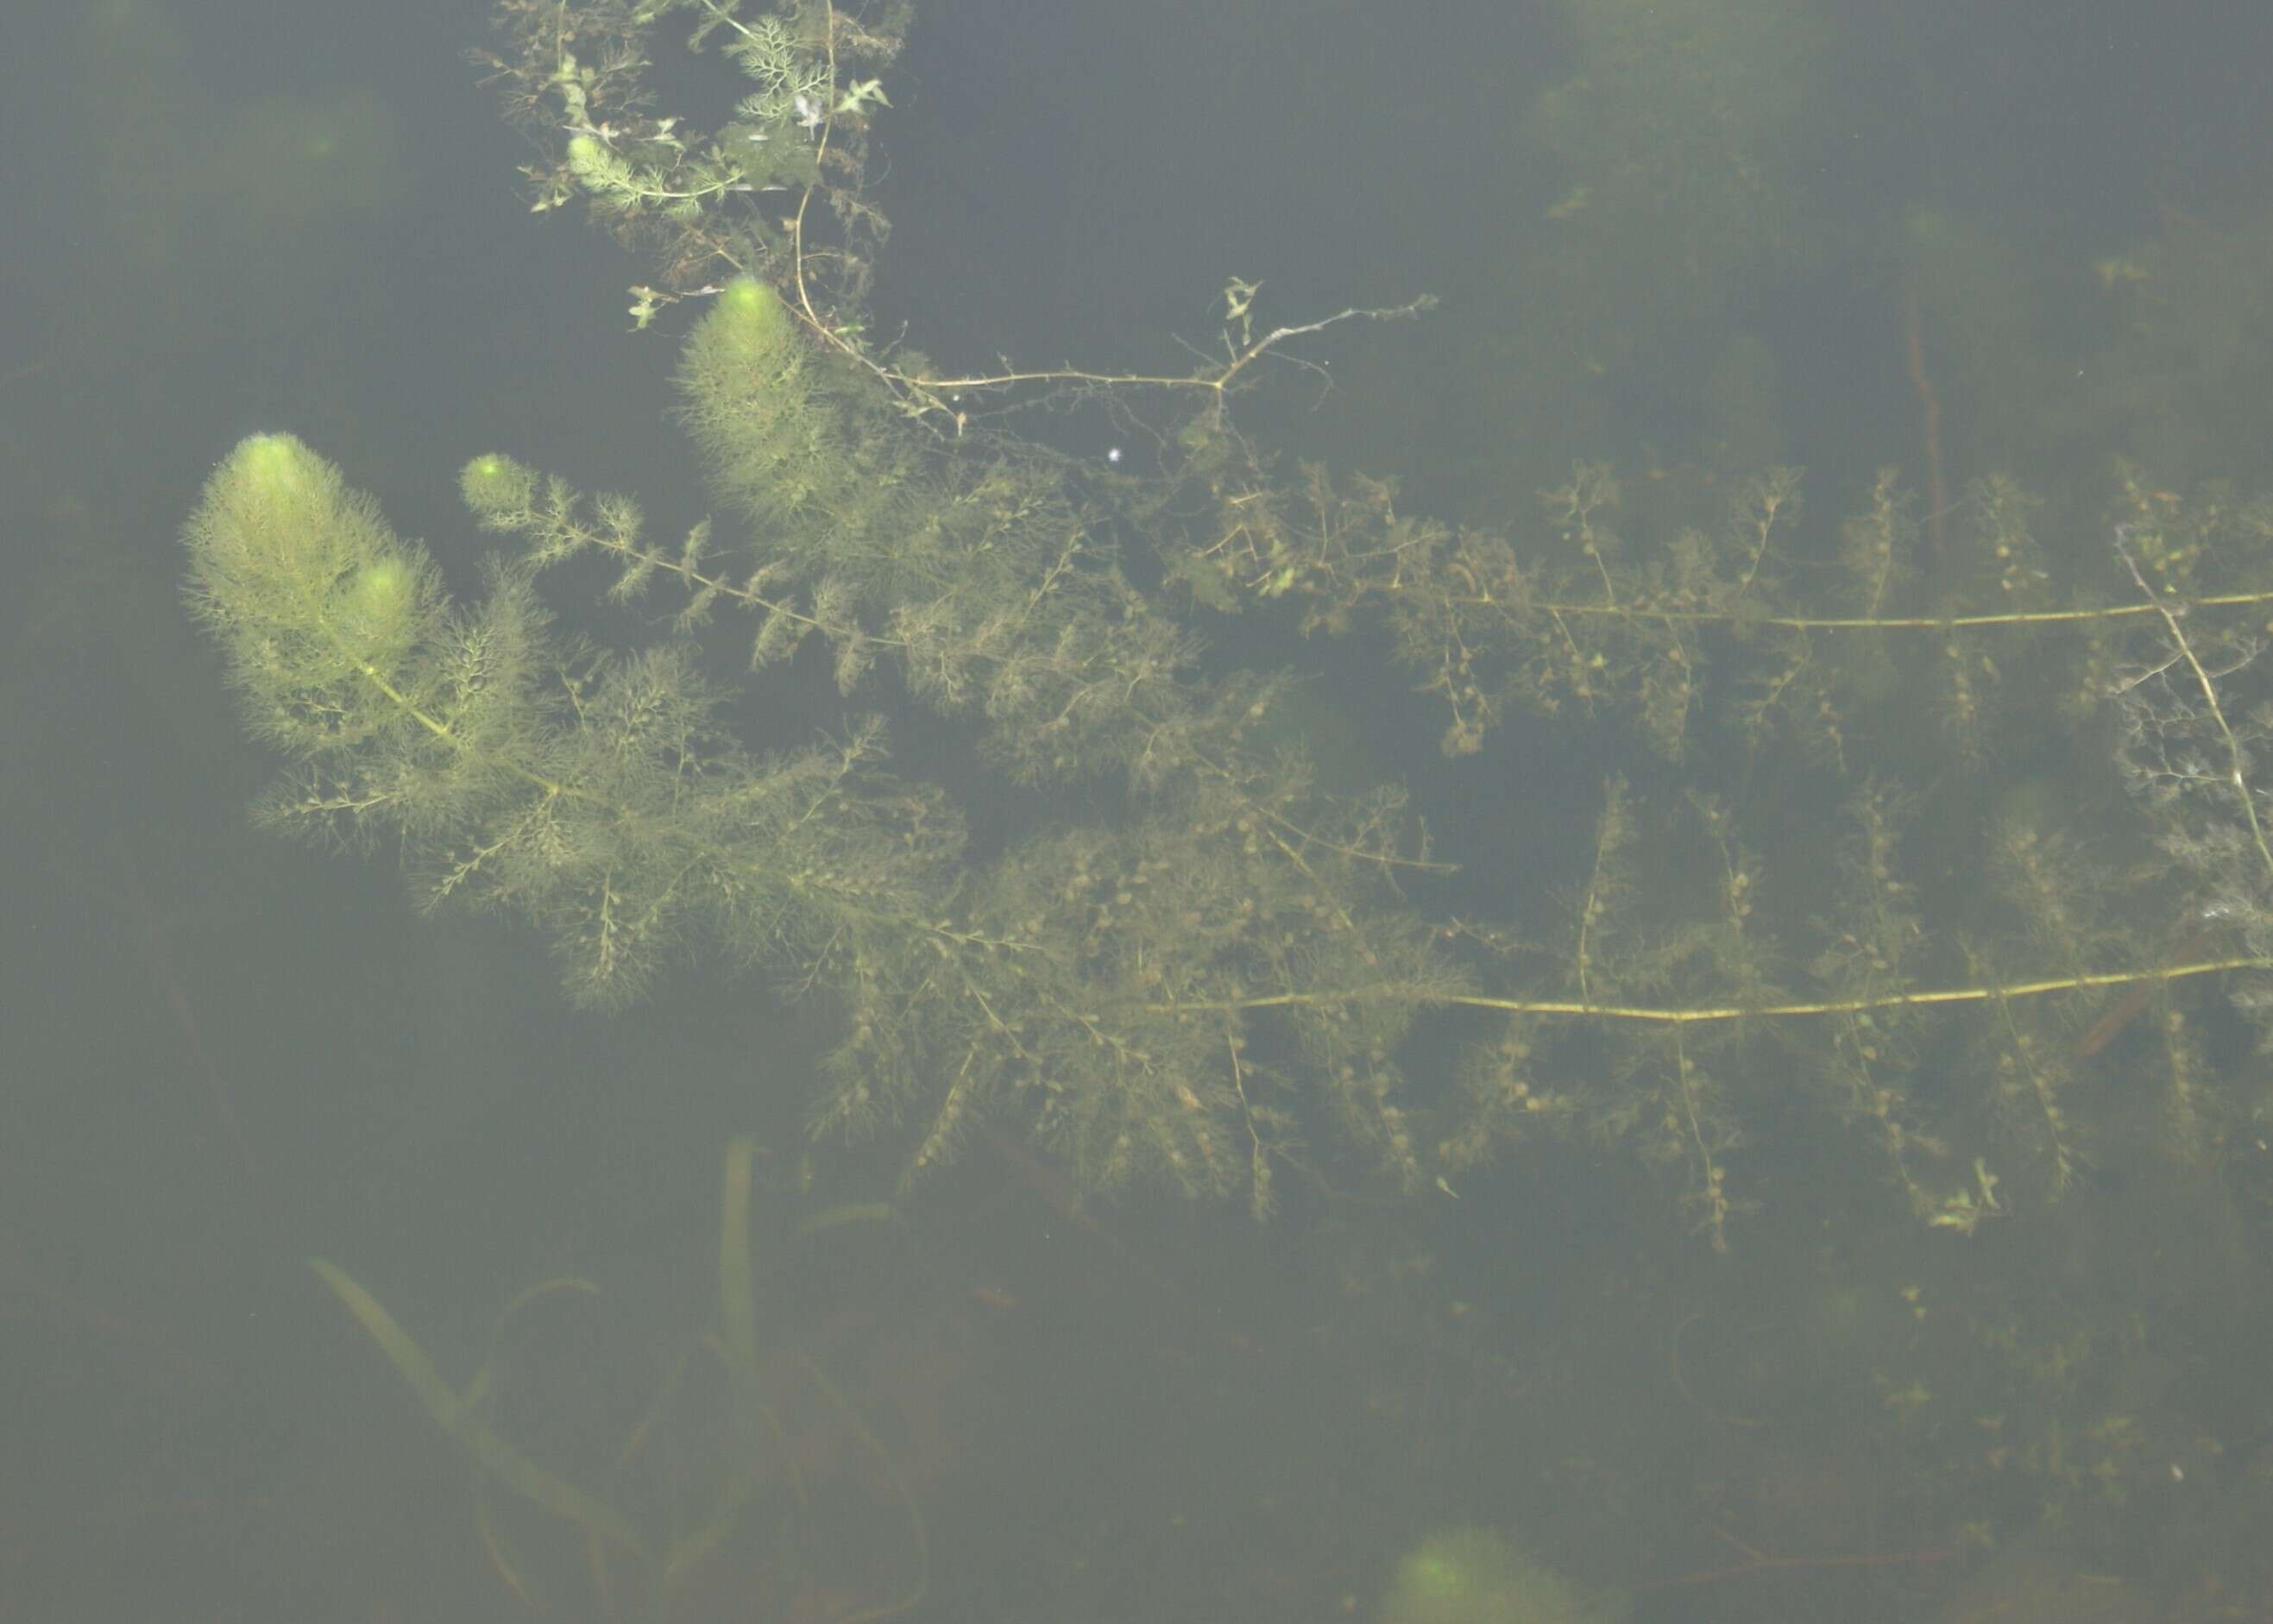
(1219,975)
(1105,976)
(1699,643)
(596,796)
(685,197)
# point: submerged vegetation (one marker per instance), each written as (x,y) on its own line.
(714,1535)
(1208,970)
(1867,873)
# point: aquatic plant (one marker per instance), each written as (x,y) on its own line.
(1205,970)
(646,1572)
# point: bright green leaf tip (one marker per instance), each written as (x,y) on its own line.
(382,587)
(494,485)
(274,465)
(752,317)
(1472,1575)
